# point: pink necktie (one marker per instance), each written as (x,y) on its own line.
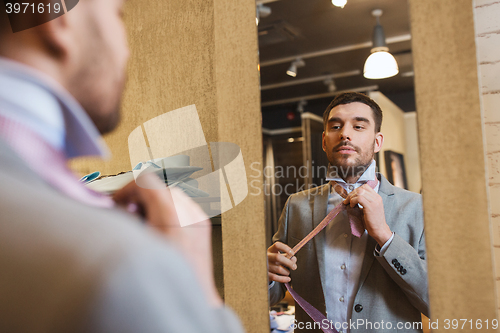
(355,215)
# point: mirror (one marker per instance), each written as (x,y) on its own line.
(310,52)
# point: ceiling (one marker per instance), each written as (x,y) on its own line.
(331,41)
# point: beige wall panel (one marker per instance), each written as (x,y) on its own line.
(412,157)
(400,135)
(460,262)
(238,102)
(171,66)
(203,53)
(491,102)
(393,128)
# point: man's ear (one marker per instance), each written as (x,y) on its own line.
(56,35)
(323,144)
(379,141)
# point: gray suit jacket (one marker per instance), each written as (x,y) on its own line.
(67,267)
(384,293)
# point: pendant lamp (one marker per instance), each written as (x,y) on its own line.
(380,64)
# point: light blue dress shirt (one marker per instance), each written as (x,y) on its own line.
(343,256)
(35,100)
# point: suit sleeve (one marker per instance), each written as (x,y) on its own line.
(154,291)
(277,292)
(406,264)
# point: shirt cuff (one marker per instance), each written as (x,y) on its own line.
(270,285)
(381,251)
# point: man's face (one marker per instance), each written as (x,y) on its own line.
(349,139)
(101,61)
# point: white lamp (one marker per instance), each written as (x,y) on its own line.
(292,70)
(339,3)
(380,64)
(300,106)
(330,84)
(262,11)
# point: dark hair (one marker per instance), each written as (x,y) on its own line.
(353,97)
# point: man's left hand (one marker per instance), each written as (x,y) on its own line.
(373,209)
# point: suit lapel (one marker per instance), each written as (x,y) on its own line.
(386,192)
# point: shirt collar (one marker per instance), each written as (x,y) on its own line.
(369,174)
(37,101)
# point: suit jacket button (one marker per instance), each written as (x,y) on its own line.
(358,308)
(397,265)
(403,272)
(394,261)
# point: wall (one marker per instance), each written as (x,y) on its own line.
(400,136)
(412,157)
(487,26)
(455,196)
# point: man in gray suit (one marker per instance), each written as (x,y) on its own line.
(72,260)
(374,283)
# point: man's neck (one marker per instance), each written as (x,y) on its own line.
(350,174)
(357,172)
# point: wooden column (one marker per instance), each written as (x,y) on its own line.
(240,122)
(461,277)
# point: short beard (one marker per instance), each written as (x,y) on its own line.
(350,173)
(103,110)
(108,123)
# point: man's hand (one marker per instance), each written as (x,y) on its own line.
(373,209)
(156,203)
(277,260)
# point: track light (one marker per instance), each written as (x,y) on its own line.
(262,11)
(330,84)
(380,64)
(297,63)
(339,3)
(300,106)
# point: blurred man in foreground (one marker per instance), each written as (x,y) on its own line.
(72,261)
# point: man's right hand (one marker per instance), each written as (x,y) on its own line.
(277,257)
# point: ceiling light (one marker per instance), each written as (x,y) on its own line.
(297,63)
(380,64)
(292,71)
(330,84)
(262,11)
(300,106)
(339,3)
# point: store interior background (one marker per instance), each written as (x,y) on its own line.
(207,53)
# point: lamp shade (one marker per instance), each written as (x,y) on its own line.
(380,65)
(292,71)
(339,3)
